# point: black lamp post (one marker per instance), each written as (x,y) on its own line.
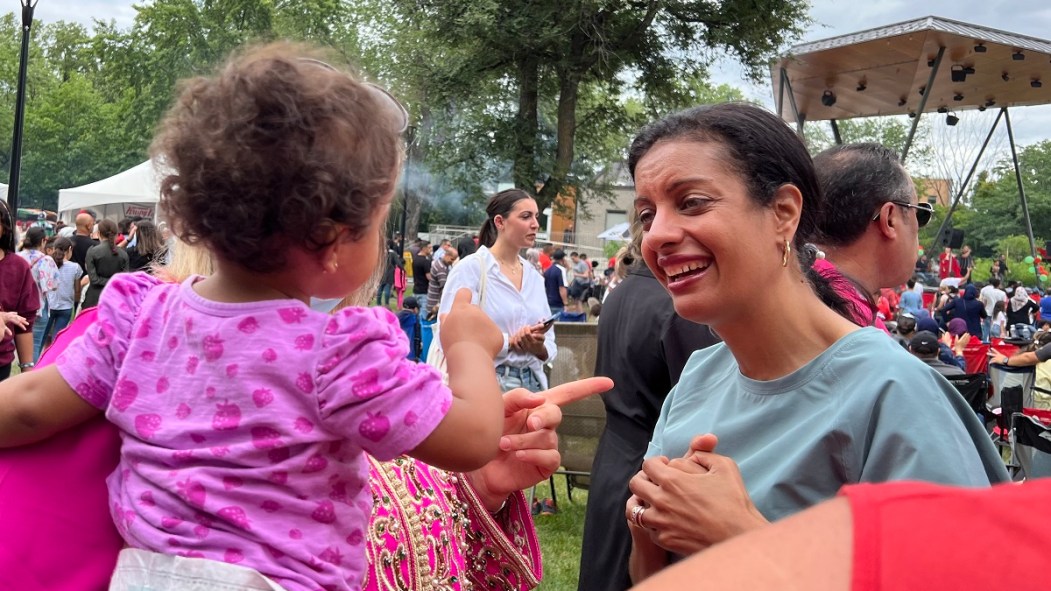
(410,141)
(20,107)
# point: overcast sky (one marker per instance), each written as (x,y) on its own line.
(831,18)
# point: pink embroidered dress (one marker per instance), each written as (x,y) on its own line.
(243,425)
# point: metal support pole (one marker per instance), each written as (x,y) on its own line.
(20,109)
(410,141)
(967,180)
(1021,190)
(835,132)
(781,93)
(923,104)
(792,102)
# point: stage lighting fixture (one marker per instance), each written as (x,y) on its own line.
(923,89)
(1018,56)
(980,48)
(951,120)
(912,114)
(1035,83)
(957,97)
(901,102)
(943,109)
(828,98)
(930,63)
(981,107)
(957,74)
(861,86)
(1005,77)
(968,70)
(990,102)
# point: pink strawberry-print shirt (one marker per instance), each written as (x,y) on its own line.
(243,425)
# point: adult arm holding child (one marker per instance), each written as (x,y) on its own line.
(36,405)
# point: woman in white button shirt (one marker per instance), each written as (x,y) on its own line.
(514,293)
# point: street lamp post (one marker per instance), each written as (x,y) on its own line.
(20,107)
(410,140)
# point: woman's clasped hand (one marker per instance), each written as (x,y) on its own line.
(690,503)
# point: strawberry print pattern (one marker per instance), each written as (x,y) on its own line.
(245,431)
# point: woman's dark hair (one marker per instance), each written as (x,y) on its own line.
(34,238)
(124,225)
(147,239)
(7,229)
(276,150)
(62,245)
(107,232)
(765,154)
(500,204)
(856,179)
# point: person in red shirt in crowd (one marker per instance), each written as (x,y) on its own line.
(948,264)
(545,257)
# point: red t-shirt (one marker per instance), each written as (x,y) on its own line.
(545,261)
(910,535)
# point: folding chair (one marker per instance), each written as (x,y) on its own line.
(1004,376)
(974,387)
(582,421)
(1030,446)
(578,435)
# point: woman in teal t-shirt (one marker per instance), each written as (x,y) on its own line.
(801,399)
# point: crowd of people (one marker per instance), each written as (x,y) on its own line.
(67,271)
(238,417)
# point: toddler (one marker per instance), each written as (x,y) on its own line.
(244,413)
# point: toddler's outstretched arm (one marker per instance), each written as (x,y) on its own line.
(38,404)
(469,435)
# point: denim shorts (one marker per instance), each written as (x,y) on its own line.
(516,377)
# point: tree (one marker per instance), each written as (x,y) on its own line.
(997,209)
(551,55)
(891,132)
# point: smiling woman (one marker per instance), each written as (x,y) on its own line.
(728,198)
(512,291)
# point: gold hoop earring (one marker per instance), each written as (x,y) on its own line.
(788,251)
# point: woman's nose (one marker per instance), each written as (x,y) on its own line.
(664,230)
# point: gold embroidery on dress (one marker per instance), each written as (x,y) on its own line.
(413,520)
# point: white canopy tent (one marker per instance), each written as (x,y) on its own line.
(3,191)
(134,192)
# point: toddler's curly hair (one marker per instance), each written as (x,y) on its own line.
(276,150)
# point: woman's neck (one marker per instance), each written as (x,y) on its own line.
(783,331)
(504,252)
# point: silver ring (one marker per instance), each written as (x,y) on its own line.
(636,515)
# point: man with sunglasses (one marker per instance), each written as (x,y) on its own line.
(869,224)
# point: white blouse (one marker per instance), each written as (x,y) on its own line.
(509,308)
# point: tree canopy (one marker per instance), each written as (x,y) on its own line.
(539,93)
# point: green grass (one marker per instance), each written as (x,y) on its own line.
(560,537)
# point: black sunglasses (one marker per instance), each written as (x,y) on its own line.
(924,212)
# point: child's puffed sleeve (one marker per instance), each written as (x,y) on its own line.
(91,363)
(369,392)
